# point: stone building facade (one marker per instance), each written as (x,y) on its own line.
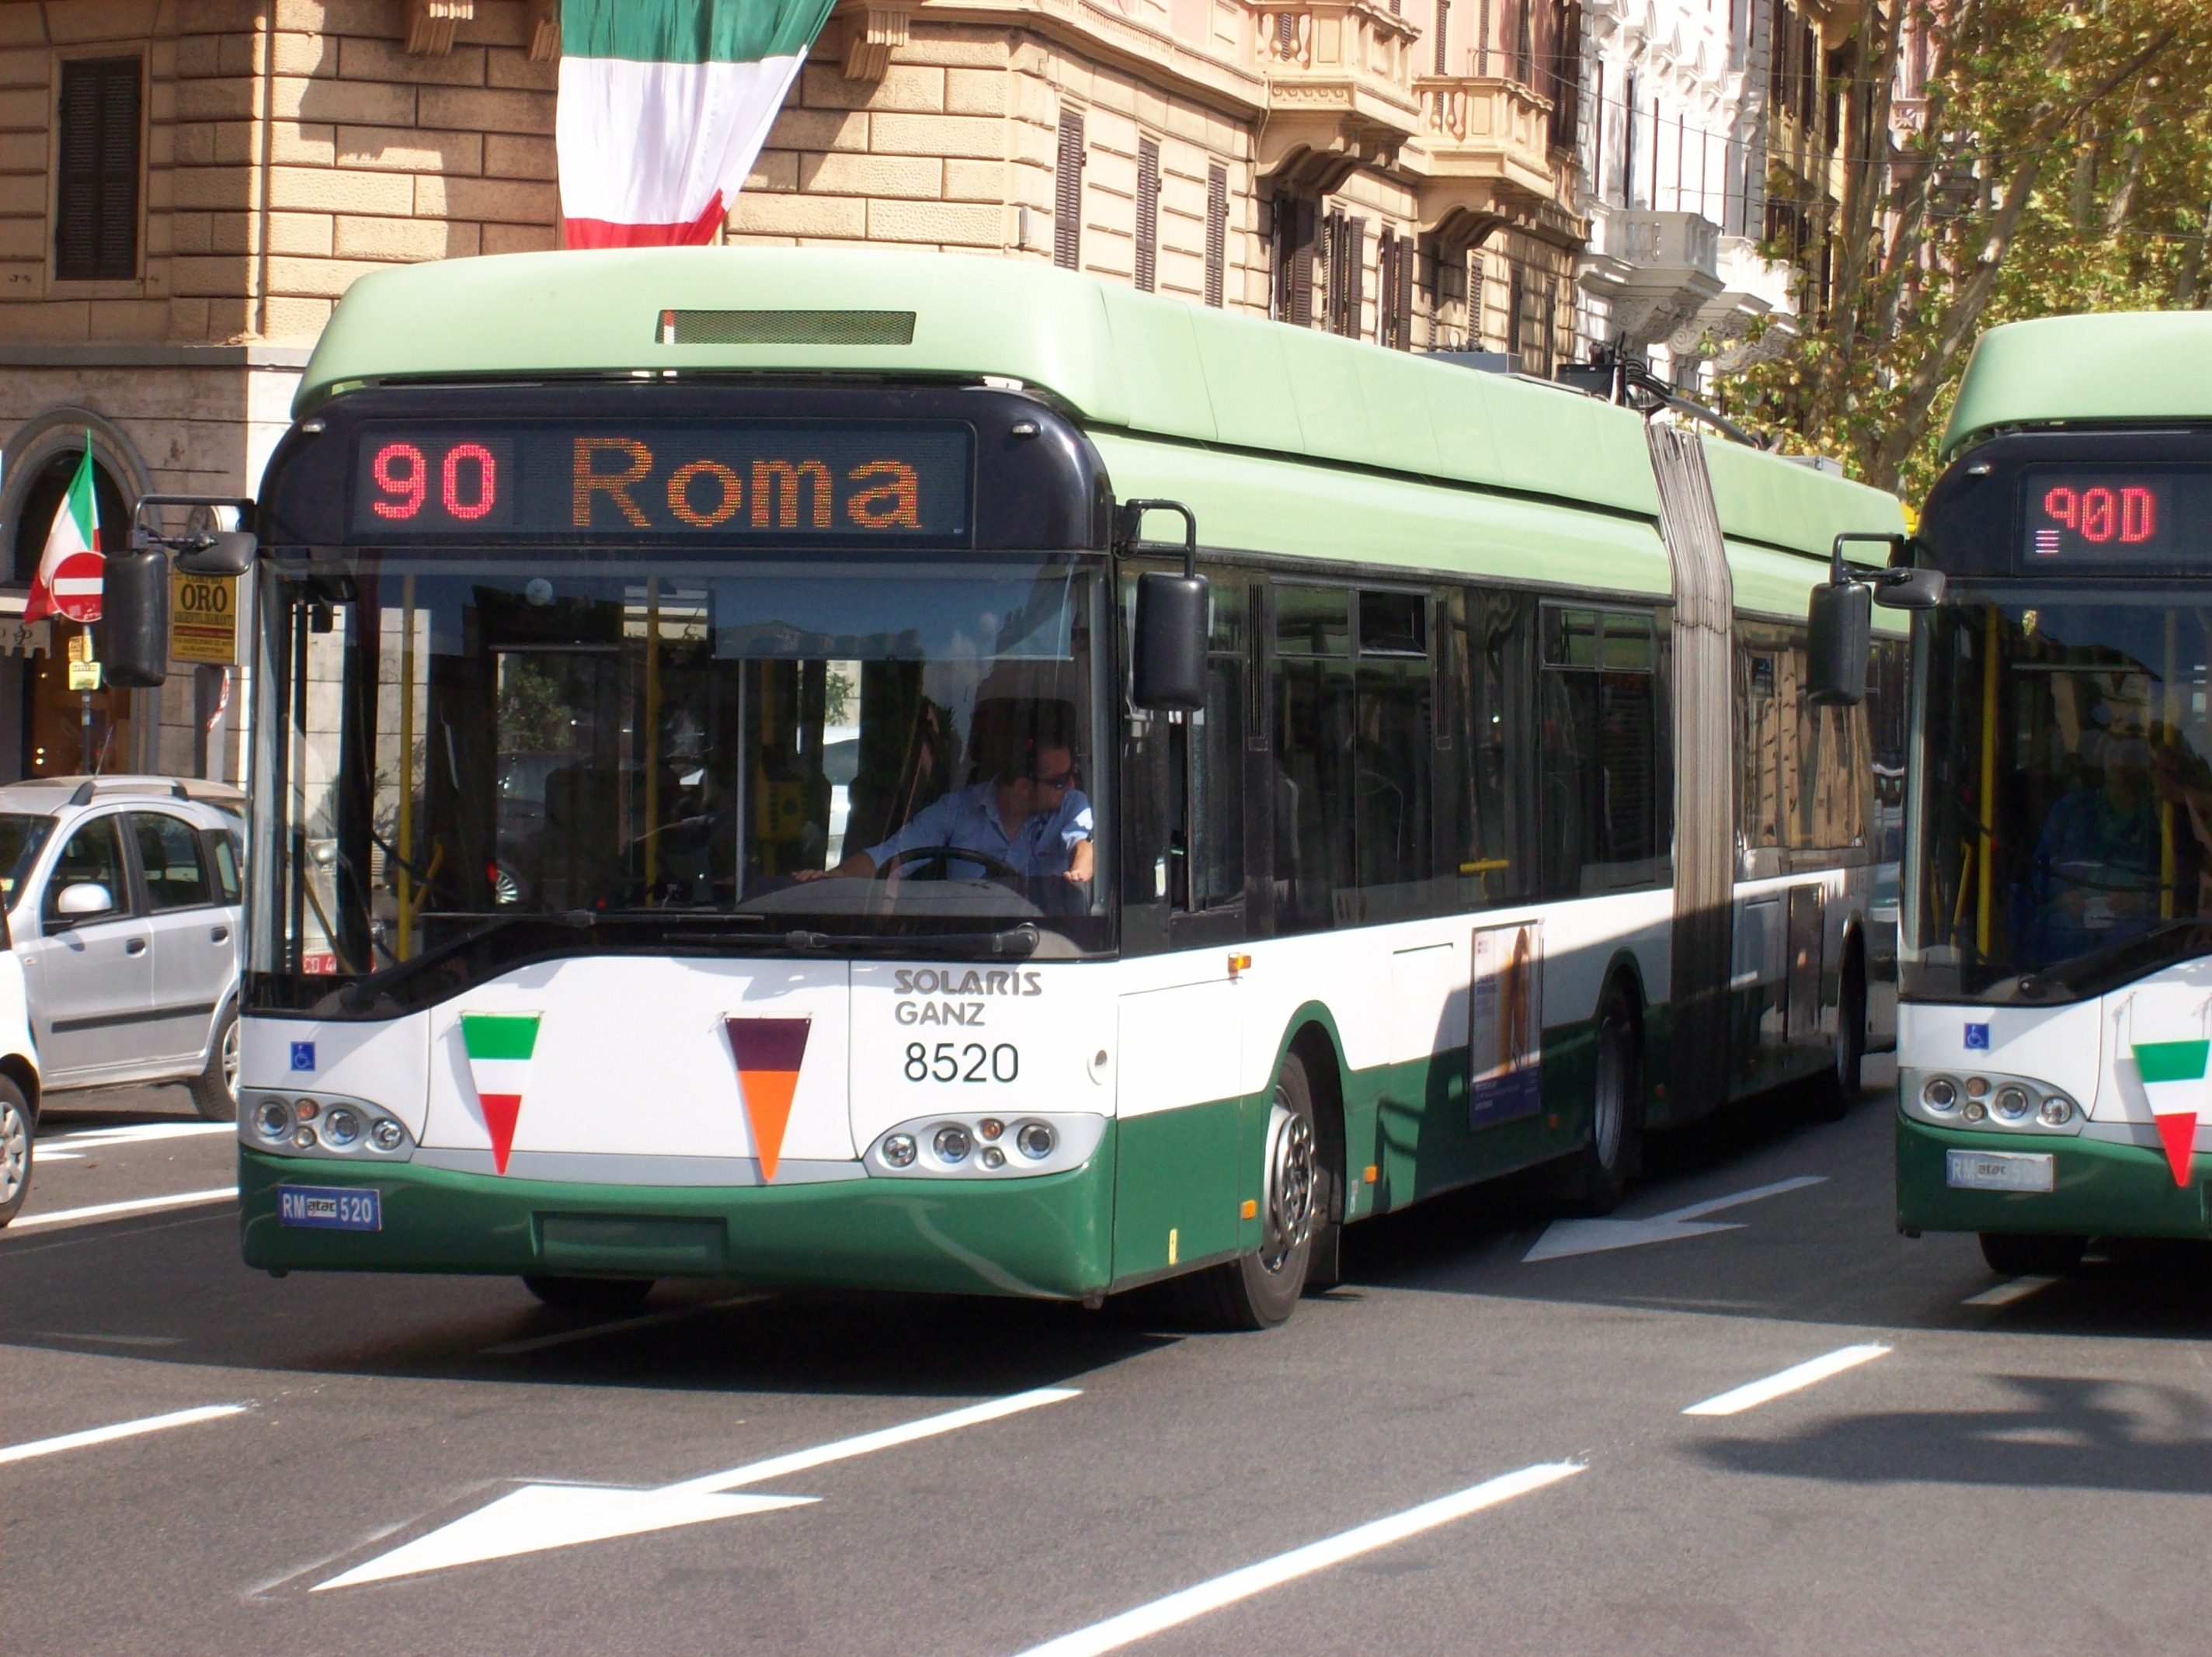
(188,186)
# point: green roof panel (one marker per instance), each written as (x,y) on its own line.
(2124,367)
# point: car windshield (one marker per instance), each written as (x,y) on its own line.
(2065,792)
(21,835)
(761,750)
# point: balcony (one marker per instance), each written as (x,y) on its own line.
(1486,161)
(1340,89)
(1660,270)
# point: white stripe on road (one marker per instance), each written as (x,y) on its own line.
(1791,1379)
(1194,1602)
(2019,1289)
(140,1132)
(136,1205)
(120,1430)
(507,1349)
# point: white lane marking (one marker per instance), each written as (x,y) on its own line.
(1197,1601)
(60,1155)
(120,1430)
(138,1133)
(1565,1237)
(110,1340)
(538,1342)
(136,1205)
(540,1516)
(1797,1377)
(2018,1288)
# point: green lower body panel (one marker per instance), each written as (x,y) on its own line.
(1177,1199)
(1044,1237)
(2100,1190)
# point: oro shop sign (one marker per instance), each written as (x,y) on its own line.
(204,618)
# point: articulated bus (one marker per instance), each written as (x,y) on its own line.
(2056,963)
(942,774)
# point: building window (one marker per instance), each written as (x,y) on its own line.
(1148,214)
(1345,250)
(1217,233)
(97,202)
(1290,245)
(1067,193)
(1443,25)
(1394,258)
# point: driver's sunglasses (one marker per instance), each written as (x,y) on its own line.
(1067,779)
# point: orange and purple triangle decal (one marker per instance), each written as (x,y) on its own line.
(768,1051)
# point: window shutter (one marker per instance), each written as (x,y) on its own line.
(1355,276)
(1067,193)
(1444,20)
(96,221)
(1148,214)
(1302,263)
(1386,257)
(1217,233)
(1402,335)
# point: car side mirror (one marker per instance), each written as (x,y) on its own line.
(83,899)
(1173,621)
(1840,626)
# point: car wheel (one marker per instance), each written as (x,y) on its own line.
(1262,1290)
(591,1294)
(15,1150)
(215,1089)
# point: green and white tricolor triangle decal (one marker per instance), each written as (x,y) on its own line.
(499,1045)
(2174,1080)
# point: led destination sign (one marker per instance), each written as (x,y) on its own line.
(770,480)
(2121,517)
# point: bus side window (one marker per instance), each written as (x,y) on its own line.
(1489,848)
(1310,675)
(1395,766)
(1602,790)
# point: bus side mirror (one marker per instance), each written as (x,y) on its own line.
(135,605)
(1169,647)
(1841,624)
(1909,589)
(222,552)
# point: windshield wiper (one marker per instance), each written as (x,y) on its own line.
(361,993)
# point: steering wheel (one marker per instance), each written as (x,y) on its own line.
(994,865)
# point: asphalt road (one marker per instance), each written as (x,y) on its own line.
(1493,1450)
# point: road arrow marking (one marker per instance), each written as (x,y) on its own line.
(538,1517)
(1565,1237)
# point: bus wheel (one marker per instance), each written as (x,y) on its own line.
(1262,1289)
(591,1294)
(2028,1255)
(1609,1160)
(1835,1093)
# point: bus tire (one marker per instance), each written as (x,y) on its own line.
(1610,1158)
(17,1134)
(1836,1092)
(2032,1254)
(215,1089)
(598,1294)
(1262,1290)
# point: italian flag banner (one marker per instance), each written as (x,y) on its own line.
(2174,1080)
(498,1046)
(75,535)
(663,105)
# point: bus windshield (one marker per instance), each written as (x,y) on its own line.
(838,752)
(2066,791)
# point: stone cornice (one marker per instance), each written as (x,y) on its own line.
(1156,57)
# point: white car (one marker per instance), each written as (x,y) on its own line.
(122,897)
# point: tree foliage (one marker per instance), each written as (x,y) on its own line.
(2059,159)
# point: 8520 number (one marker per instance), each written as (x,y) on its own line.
(950,1062)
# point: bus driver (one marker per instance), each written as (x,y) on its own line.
(1026,813)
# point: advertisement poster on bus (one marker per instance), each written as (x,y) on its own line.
(1505,1024)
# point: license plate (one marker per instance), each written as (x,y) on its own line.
(1997,1170)
(330,1208)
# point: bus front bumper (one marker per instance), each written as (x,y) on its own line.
(2100,1189)
(1048,1236)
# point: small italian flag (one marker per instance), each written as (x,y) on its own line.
(2174,1080)
(74,534)
(663,105)
(499,1047)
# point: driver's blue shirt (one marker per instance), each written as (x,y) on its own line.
(970,817)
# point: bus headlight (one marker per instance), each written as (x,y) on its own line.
(2011,1104)
(952,1143)
(984,1147)
(898,1150)
(387,1135)
(272,1121)
(1034,1140)
(2058,1111)
(1940,1094)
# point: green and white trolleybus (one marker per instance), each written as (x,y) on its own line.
(2057,957)
(939,774)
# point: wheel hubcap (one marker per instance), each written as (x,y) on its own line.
(1289,1202)
(230,1059)
(14,1153)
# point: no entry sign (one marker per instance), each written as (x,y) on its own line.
(76,585)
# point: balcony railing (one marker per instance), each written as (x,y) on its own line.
(1339,78)
(1486,160)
